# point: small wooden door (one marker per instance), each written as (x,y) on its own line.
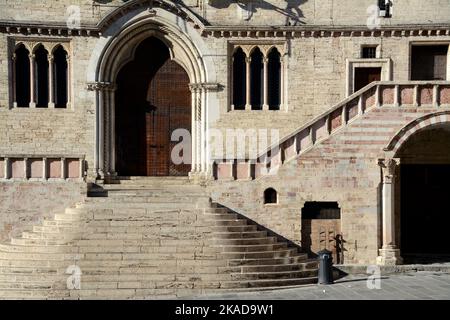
(365,76)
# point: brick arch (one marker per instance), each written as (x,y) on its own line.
(415,126)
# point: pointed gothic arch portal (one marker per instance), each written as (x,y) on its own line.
(153,100)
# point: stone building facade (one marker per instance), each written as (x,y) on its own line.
(343,102)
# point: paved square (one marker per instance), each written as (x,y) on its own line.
(410,286)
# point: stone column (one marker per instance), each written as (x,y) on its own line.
(44,168)
(14,91)
(32,73)
(63,168)
(200,129)
(193,128)
(389,254)
(203,141)
(25,168)
(68,79)
(7,172)
(232,84)
(102,127)
(282,80)
(248,103)
(112,130)
(266,84)
(51,92)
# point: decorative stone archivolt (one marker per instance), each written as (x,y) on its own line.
(119,50)
(414,126)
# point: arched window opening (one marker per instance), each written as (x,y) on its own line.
(274,80)
(270,196)
(60,76)
(239,80)
(41,81)
(257,79)
(22,77)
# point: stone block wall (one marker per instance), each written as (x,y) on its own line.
(342,168)
(24,204)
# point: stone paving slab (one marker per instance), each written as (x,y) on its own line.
(410,286)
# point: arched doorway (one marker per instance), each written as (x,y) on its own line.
(152,101)
(424,195)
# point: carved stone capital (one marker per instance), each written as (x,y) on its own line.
(388,167)
(100,86)
(206,86)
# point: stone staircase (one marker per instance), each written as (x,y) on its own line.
(148,238)
(354,113)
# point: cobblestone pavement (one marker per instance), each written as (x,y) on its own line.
(410,286)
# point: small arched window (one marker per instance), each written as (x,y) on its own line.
(274,80)
(22,83)
(257,79)
(60,76)
(239,80)
(270,196)
(41,81)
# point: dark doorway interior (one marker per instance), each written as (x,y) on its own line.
(429,62)
(365,76)
(425,211)
(153,100)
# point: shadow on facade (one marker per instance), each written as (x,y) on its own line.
(291,11)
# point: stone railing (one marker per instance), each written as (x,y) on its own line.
(41,167)
(433,94)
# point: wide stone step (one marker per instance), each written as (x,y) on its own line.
(159,181)
(144,219)
(125,266)
(244,241)
(274,275)
(218,230)
(267,261)
(138,197)
(222,216)
(61,236)
(133,281)
(122,204)
(132,286)
(105,227)
(260,254)
(199,250)
(98,255)
(268,283)
(37,242)
(228,222)
(112,280)
(302,266)
(239,234)
(251,247)
(207,212)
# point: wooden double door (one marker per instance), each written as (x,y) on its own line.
(149,112)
